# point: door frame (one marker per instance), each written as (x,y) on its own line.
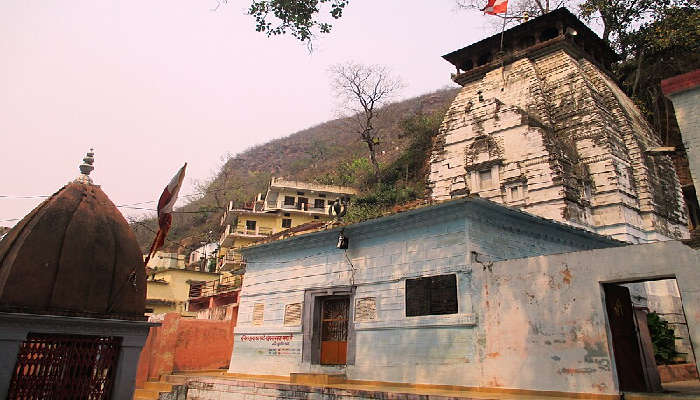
(345,301)
(608,326)
(311,349)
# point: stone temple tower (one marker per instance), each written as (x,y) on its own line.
(540,125)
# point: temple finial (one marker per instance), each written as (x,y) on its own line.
(86,167)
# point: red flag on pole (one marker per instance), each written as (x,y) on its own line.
(165,208)
(494,7)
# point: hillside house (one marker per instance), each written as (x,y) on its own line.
(684,92)
(286,204)
(168,289)
(165,260)
(203,258)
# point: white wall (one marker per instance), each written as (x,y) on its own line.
(458,349)
(545,315)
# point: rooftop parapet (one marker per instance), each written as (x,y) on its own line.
(278,183)
(559,29)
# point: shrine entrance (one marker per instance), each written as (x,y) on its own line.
(649,334)
(63,367)
(334,330)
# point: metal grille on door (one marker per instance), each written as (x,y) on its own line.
(334,331)
(63,367)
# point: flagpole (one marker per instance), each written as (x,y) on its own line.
(503,30)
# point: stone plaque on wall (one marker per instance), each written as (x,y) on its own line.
(258,312)
(292,314)
(366,309)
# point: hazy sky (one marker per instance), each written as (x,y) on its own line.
(152,84)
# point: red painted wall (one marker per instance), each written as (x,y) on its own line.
(186,344)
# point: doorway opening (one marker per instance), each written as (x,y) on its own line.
(649,335)
(334,330)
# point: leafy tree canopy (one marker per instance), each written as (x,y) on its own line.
(299,18)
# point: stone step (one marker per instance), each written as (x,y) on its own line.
(174,379)
(316,379)
(657,396)
(145,394)
(158,386)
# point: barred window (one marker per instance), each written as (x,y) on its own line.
(432,295)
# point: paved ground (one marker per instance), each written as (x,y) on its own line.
(686,390)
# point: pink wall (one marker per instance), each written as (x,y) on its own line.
(184,344)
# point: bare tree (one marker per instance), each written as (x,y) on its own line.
(362,91)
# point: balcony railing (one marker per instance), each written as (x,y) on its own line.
(231,262)
(258,231)
(233,257)
(211,288)
(298,206)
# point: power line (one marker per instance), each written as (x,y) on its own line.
(7,196)
(131,206)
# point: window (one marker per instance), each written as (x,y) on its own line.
(303,203)
(587,191)
(515,192)
(317,217)
(319,203)
(250,225)
(485,179)
(288,200)
(287,214)
(433,295)
(286,223)
(292,314)
(322,195)
(258,313)
(300,193)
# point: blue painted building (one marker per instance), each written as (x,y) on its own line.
(401,304)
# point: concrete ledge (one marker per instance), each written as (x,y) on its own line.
(677,372)
(225,388)
(316,379)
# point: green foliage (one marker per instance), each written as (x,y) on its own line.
(662,338)
(665,46)
(412,164)
(355,172)
(404,179)
(297,17)
(622,18)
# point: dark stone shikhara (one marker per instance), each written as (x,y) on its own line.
(554,135)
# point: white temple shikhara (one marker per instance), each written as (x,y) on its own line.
(540,125)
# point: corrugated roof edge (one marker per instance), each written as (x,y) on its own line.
(488,204)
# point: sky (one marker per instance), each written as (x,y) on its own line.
(153,84)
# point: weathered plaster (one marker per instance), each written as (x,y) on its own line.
(463,237)
(559,126)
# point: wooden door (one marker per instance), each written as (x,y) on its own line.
(625,344)
(334,330)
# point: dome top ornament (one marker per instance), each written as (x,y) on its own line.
(86,167)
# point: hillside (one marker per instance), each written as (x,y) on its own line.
(329,153)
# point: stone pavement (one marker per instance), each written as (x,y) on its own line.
(219,385)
